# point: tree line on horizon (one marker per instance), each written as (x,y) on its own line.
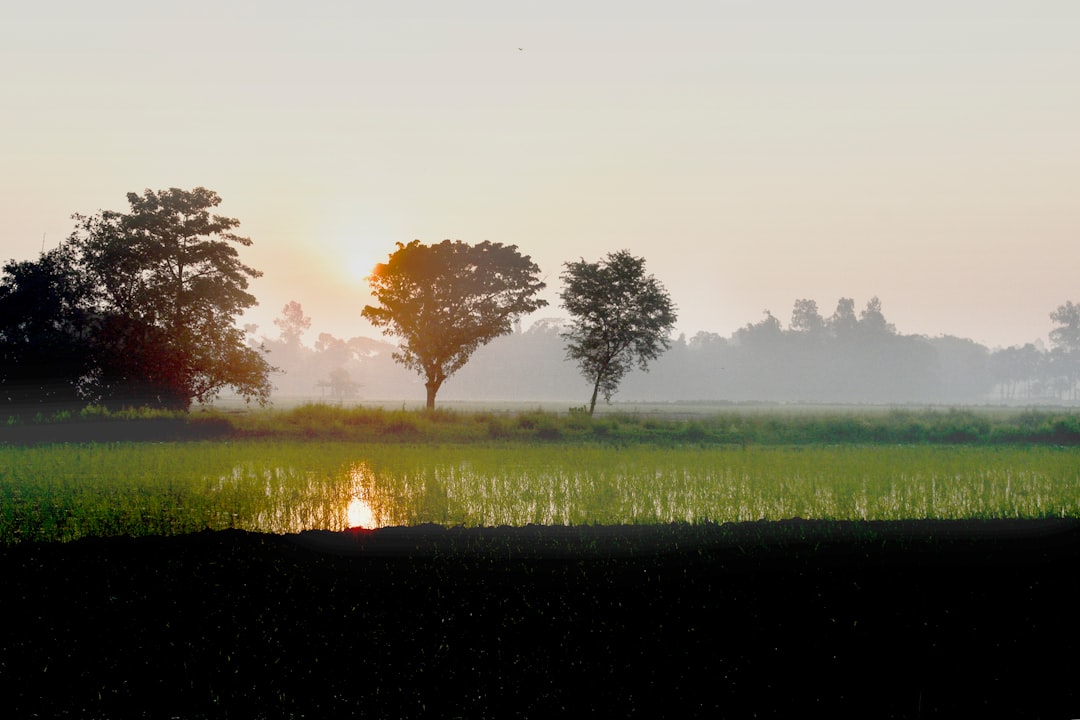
(846,357)
(139,309)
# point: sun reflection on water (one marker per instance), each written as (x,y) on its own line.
(360,514)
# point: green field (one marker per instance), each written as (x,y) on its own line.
(60,492)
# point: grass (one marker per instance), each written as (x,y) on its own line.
(748,426)
(72,475)
(775,427)
(66,491)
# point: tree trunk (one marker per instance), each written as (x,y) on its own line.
(595,391)
(432,388)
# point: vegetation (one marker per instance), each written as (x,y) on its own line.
(619,317)
(284,471)
(674,426)
(134,309)
(62,492)
(850,357)
(446,300)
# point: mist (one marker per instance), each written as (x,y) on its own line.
(848,357)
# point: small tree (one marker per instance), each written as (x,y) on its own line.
(292,323)
(619,317)
(1067,333)
(444,301)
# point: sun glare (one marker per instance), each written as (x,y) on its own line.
(360,514)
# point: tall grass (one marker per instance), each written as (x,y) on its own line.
(62,492)
(733,427)
(799,426)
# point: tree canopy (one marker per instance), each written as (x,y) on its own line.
(444,301)
(619,316)
(140,307)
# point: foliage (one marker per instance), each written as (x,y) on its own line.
(66,492)
(1067,333)
(292,323)
(45,348)
(620,316)
(676,427)
(444,301)
(139,307)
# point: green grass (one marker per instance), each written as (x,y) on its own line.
(62,492)
(767,427)
(750,426)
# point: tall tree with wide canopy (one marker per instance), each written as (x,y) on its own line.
(171,271)
(620,316)
(158,293)
(444,301)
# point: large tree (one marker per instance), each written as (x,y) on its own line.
(45,346)
(444,301)
(158,293)
(619,317)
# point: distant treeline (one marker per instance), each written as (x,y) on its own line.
(848,357)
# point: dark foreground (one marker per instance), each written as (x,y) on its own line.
(785,619)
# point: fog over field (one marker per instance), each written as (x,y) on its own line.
(847,357)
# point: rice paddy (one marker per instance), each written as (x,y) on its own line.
(63,492)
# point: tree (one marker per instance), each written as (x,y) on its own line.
(805,318)
(843,322)
(171,271)
(872,320)
(45,343)
(444,301)
(292,323)
(1065,344)
(157,296)
(1067,334)
(619,316)
(340,385)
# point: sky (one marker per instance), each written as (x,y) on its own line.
(753,152)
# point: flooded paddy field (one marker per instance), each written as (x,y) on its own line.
(68,491)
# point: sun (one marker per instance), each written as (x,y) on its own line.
(359,268)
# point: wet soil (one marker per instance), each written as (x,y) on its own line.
(906,620)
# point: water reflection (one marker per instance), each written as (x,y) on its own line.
(360,514)
(287,500)
(368,508)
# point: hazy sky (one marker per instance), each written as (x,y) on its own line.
(755,152)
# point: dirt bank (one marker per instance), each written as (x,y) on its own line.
(784,619)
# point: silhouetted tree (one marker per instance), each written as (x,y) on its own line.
(872,320)
(767,332)
(45,316)
(171,266)
(1067,333)
(444,301)
(339,384)
(292,323)
(805,318)
(157,293)
(619,316)
(843,322)
(1064,360)
(1016,370)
